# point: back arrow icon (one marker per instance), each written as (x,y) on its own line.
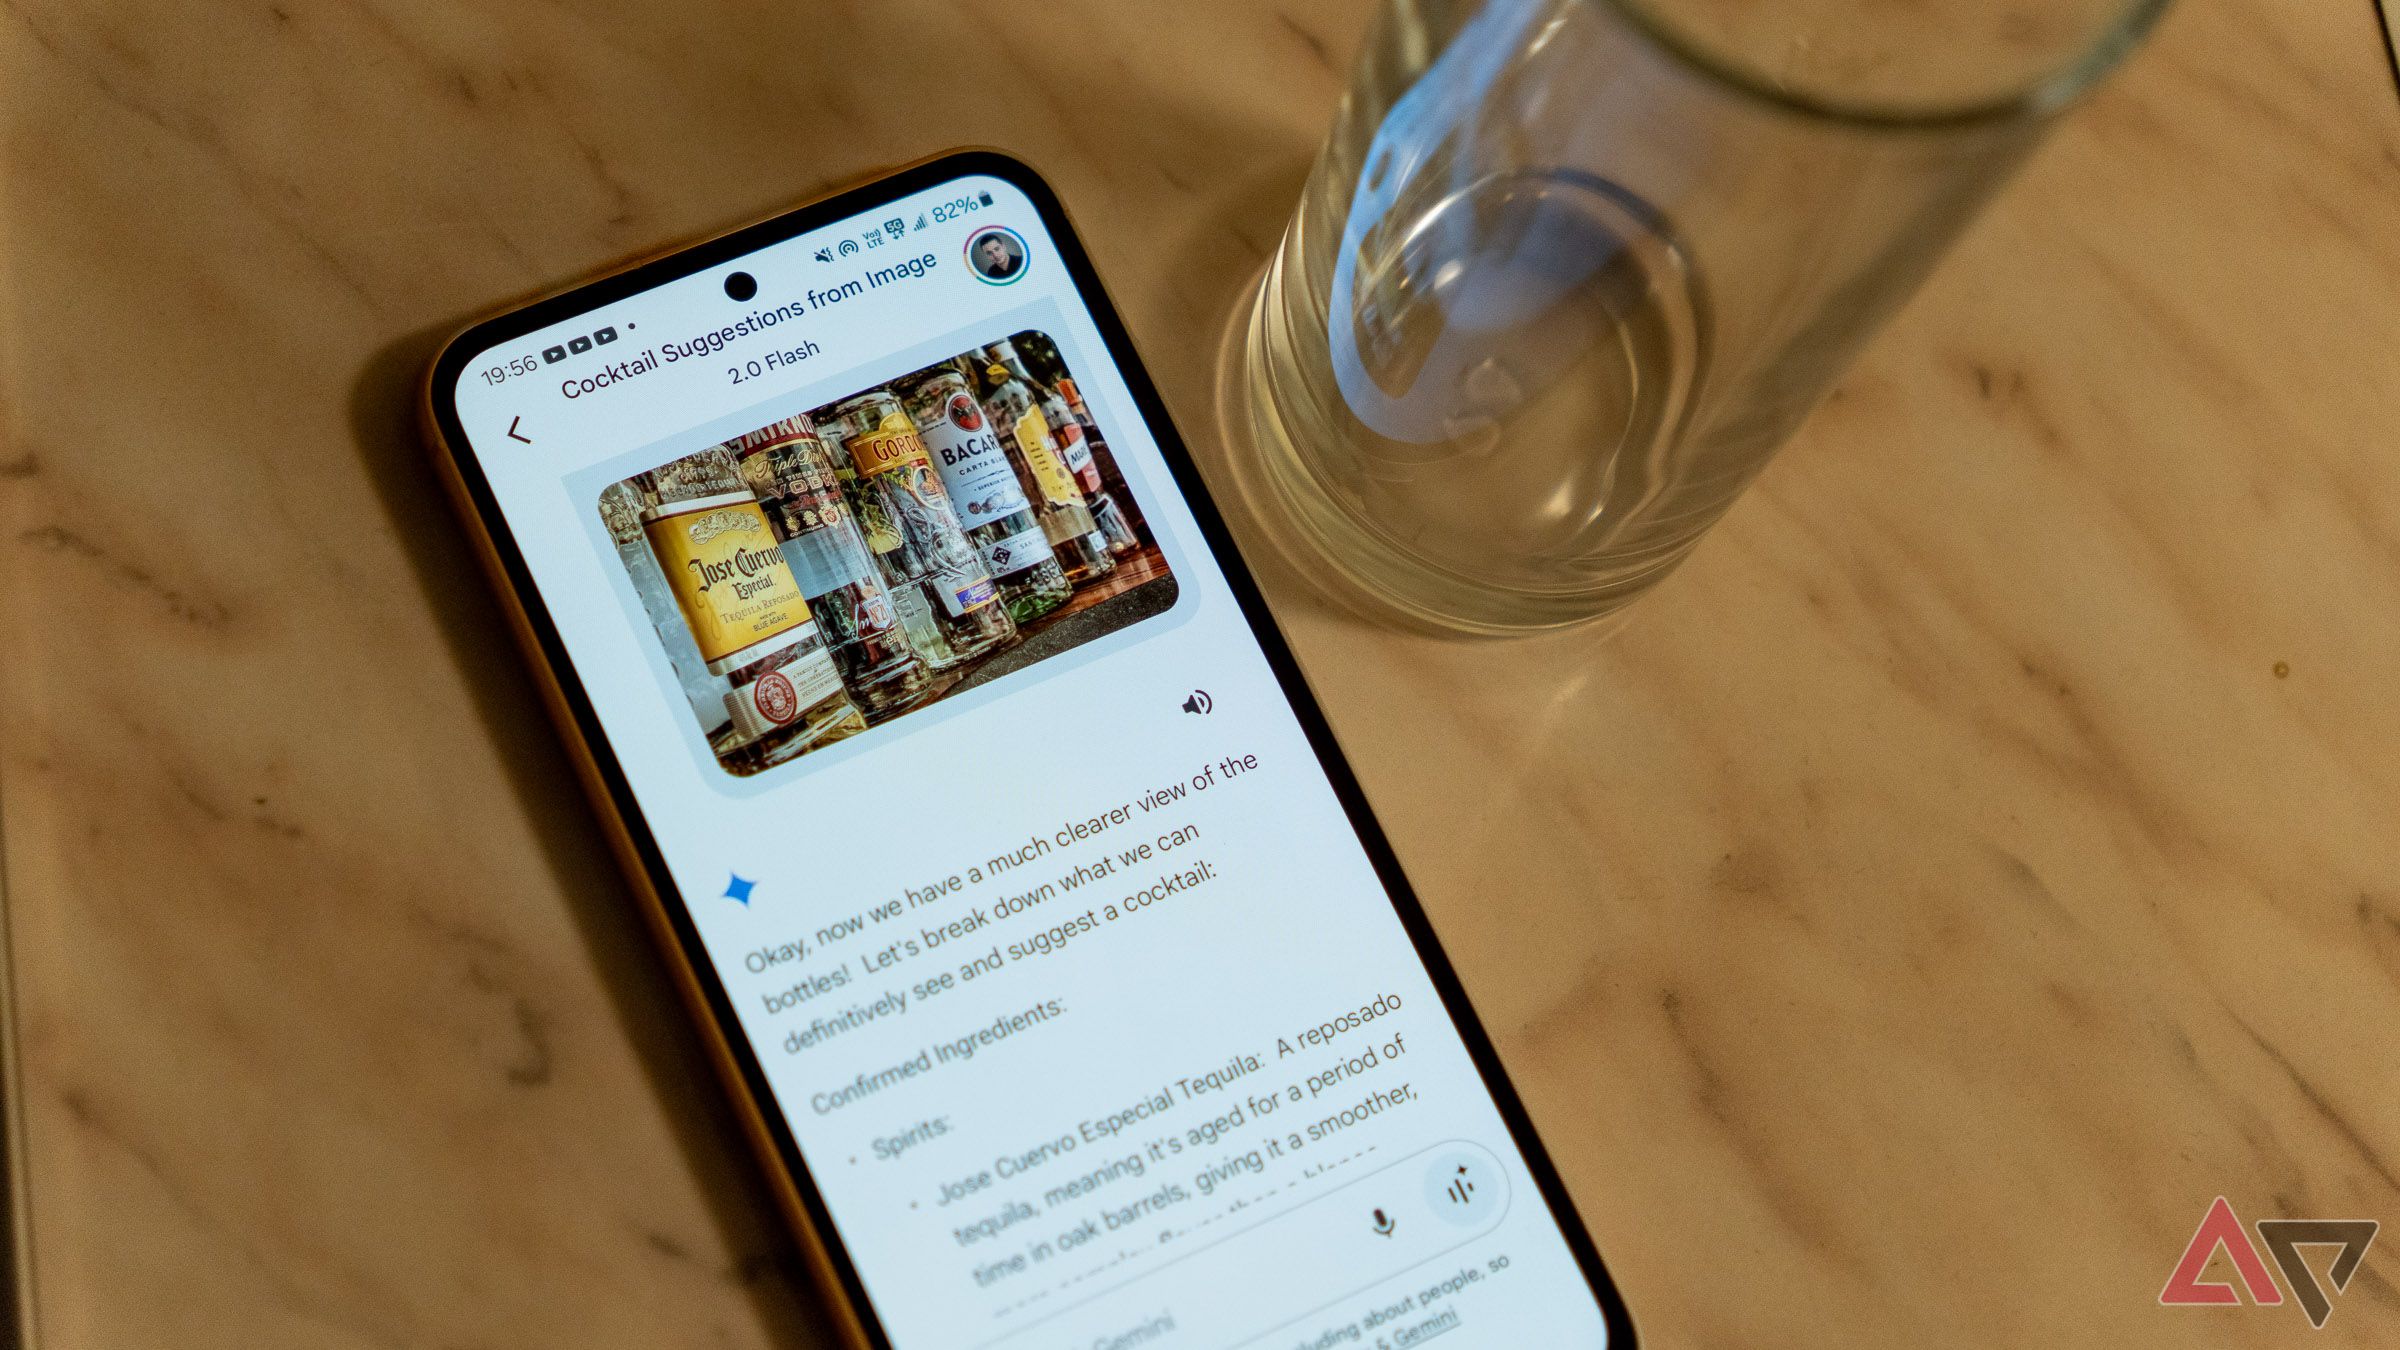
(512,431)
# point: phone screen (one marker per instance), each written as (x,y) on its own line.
(1083,999)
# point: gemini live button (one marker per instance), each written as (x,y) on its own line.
(1463,1187)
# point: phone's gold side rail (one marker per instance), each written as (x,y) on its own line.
(16,1201)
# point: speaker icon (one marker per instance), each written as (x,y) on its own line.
(1199,702)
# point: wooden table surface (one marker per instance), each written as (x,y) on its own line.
(1985,852)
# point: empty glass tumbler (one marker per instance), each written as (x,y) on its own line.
(1568,271)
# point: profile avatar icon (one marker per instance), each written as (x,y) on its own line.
(997,254)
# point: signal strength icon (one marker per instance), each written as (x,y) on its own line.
(920,222)
(825,255)
(849,246)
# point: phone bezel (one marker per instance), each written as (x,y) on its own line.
(450,440)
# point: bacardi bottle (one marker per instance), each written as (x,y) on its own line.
(901,502)
(747,617)
(984,491)
(1025,433)
(787,466)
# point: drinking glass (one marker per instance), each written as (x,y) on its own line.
(1568,271)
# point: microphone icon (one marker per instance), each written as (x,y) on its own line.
(1384,1224)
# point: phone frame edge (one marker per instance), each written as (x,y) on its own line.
(838,1277)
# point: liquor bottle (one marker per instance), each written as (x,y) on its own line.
(1074,449)
(745,611)
(984,491)
(901,503)
(912,606)
(1026,435)
(1114,527)
(1042,358)
(621,511)
(1111,476)
(789,469)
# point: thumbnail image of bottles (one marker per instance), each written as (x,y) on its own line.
(844,566)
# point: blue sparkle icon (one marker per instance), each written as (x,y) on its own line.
(739,888)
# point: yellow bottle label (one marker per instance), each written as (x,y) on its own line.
(892,444)
(1033,441)
(728,574)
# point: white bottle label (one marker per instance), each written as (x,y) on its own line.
(1017,552)
(974,469)
(777,698)
(962,591)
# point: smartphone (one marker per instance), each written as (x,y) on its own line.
(1058,969)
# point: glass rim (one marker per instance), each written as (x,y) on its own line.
(2053,90)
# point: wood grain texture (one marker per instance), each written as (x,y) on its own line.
(1981,855)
